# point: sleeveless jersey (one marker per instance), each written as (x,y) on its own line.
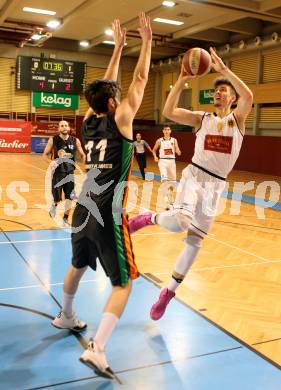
(218,143)
(64,149)
(167,148)
(111,154)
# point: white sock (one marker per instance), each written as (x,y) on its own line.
(183,264)
(106,327)
(67,300)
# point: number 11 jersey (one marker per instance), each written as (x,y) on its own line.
(111,154)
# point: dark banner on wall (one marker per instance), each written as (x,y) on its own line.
(48,128)
(15,136)
(44,128)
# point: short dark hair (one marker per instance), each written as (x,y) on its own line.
(99,92)
(223,81)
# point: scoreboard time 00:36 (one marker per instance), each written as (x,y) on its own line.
(48,75)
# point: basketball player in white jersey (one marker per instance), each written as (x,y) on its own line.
(168,148)
(219,137)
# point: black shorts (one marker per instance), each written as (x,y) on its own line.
(110,243)
(67,188)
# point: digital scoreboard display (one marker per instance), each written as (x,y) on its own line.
(50,75)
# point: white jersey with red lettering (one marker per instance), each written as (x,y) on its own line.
(218,143)
(167,148)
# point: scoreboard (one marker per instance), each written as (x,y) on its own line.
(50,75)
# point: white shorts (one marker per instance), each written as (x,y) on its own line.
(167,169)
(198,196)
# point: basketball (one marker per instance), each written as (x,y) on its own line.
(197,61)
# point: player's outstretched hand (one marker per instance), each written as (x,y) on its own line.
(185,76)
(144,28)
(119,34)
(217,63)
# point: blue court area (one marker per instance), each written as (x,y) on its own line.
(181,351)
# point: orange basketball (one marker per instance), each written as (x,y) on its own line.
(197,61)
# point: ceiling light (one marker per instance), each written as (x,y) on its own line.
(84,43)
(36,37)
(168,21)
(109,32)
(168,3)
(274,37)
(111,43)
(53,24)
(38,11)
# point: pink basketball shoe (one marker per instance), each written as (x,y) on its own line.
(140,221)
(158,309)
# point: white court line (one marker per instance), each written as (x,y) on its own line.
(153,234)
(33,166)
(236,265)
(42,240)
(240,249)
(222,267)
(40,285)
(265,261)
(137,207)
(69,238)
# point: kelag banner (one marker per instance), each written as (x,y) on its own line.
(206,96)
(55,100)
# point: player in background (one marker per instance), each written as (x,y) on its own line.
(168,148)
(59,150)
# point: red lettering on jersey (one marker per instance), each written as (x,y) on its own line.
(218,143)
(168,152)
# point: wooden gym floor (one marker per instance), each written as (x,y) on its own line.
(236,280)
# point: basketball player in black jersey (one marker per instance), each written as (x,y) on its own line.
(62,148)
(100,225)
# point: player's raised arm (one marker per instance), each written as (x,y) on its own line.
(245,100)
(129,106)
(119,37)
(171,109)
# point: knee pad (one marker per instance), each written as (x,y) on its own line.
(194,240)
